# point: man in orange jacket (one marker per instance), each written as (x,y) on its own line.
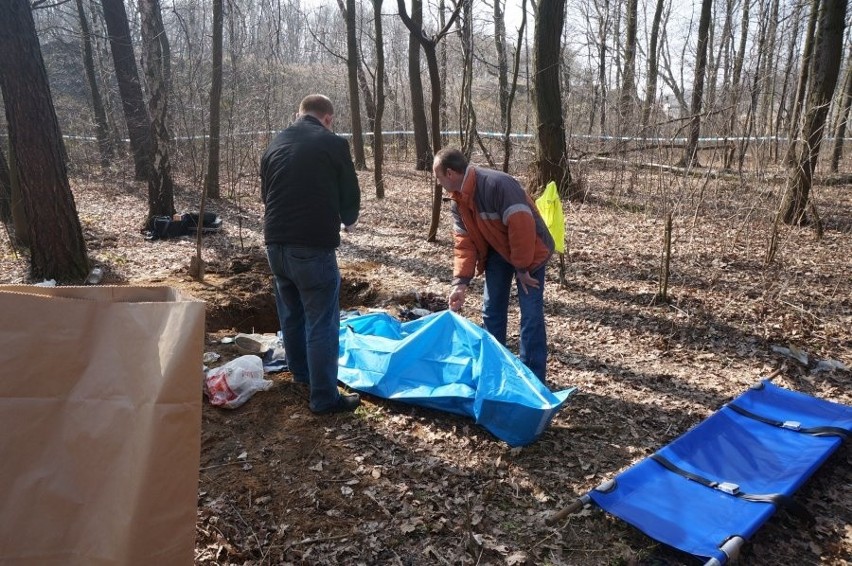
(498,230)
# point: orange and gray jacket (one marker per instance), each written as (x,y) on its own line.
(493,211)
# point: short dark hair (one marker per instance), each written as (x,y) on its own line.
(317,104)
(451,158)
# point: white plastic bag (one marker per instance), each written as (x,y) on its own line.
(234,383)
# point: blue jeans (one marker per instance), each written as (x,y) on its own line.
(307,281)
(499,275)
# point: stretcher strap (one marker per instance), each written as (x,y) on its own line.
(792,425)
(778,499)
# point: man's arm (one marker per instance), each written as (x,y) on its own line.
(350,192)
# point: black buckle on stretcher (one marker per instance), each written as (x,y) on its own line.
(795,426)
(778,499)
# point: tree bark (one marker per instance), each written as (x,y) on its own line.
(5,190)
(378,142)
(735,88)
(603,29)
(502,62)
(551,160)
(837,150)
(423,159)
(158,75)
(352,61)
(57,248)
(105,146)
(129,87)
(628,80)
(690,155)
(429,45)
(651,81)
(828,52)
(211,180)
(802,85)
(507,140)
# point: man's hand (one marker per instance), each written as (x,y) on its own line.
(349,229)
(526,280)
(456,298)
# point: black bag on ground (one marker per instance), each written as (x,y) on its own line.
(211,222)
(165,227)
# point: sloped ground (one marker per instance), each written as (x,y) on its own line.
(394,484)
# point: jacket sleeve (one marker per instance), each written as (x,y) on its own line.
(262,179)
(464,250)
(350,192)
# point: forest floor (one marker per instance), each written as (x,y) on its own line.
(397,484)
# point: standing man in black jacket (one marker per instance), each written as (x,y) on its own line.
(309,187)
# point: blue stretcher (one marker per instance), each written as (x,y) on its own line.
(709,490)
(443,361)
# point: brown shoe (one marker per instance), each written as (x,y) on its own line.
(345,403)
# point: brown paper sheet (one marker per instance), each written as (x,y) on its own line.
(100,420)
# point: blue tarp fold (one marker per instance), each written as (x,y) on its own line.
(445,362)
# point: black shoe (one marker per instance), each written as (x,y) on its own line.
(345,404)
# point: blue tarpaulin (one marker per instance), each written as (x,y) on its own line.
(445,362)
(755,452)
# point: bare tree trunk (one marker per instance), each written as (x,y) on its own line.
(105,146)
(129,87)
(837,150)
(467,116)
(378,142)
(628,80)
(736,87)
(788,72)
(690,154)
(651,82)
(827,54)
(551,160)
(352,61)
(5,190)
(769,72)
(20,222)
(507,141)
(155,49)
(802,86)
(369,98)
(502,62)
(211,180)
(418,105)
(57,247)
(429,45)
(603,30)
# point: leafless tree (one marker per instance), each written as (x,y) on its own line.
(628,80)
(105,145)
(129,87)
(352,63)
(843,116)
(653,53)
(827,55)
(418,106)
(211,180)
(378,142)
(157,65)
(690,154)
(802,85)
(551,158)
(54,234)
(429,45)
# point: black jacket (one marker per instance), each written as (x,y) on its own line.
(308,185)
